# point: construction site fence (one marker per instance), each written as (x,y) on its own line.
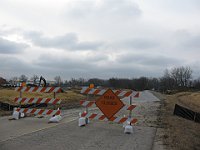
(9,107)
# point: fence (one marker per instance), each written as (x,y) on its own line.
(9,107)
(186,113)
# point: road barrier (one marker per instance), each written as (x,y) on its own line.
(119,93)
(39,89)
(110,104)
(46,101)
(38,111)
(95,116)
(38,100)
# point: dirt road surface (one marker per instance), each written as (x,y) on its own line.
(35,134)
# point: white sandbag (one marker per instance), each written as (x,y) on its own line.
(81,122)
(15,114)
(128,129)
(55,119)
(22,115)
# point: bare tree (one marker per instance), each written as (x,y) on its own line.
(14,80)
(168,82)
(34,78)
(23,78)
(187,76)
(58,80)
(196,83)
(182,76)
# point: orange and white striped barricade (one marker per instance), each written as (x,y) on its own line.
(95,116)
(53,101)
(109,104)
(99,92)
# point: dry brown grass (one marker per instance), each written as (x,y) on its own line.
(180,133)
(190,100)
(70,98)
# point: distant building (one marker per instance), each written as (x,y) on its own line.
(51,83)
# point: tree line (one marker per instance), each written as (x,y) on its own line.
(175,79)
(178,78)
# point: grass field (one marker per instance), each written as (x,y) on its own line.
(70,99)
(180,133)
(190,100)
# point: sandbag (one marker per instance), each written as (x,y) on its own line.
(55,119)
(15,114)
(81,122)
(22,115)
(128,129)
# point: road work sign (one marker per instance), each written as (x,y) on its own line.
(109,103)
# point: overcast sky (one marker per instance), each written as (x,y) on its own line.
(98,38)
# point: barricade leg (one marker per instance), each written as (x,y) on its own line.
(82,120)
(128,128)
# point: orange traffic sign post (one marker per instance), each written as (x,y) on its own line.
(109,104)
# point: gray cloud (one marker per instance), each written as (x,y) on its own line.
(48,61)
(5,30)
(192,42)
(185,41)
(138,43)
(11,66)
(106,8)
(10,47)
(50,66)
(151,60)
(68,68)
(76,63)
(143,32)
(195,69)
(68,41)
(125,66)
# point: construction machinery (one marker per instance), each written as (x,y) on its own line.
(44,82)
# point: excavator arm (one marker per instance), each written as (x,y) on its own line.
(44,81)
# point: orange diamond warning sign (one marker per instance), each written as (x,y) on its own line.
(109,104)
